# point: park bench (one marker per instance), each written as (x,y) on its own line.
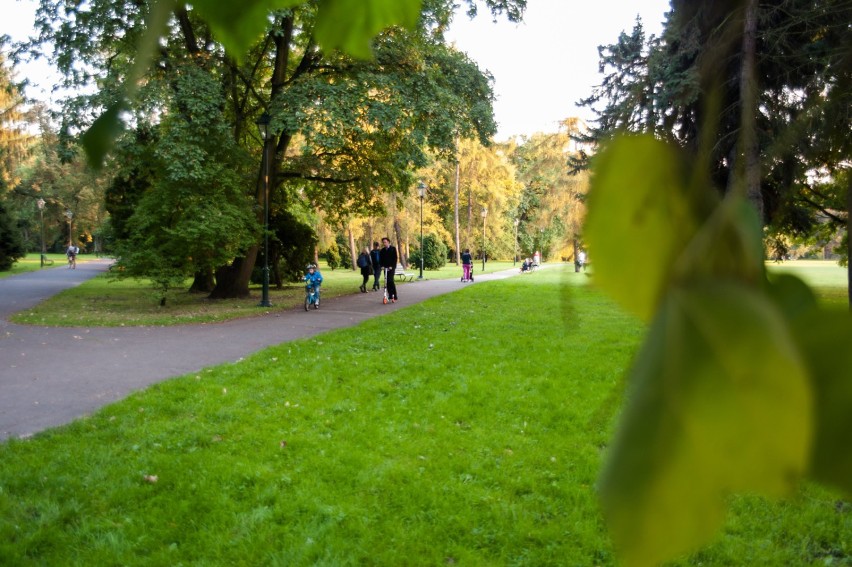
(401,274)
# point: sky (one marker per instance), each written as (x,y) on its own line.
(541,67)
(547,63)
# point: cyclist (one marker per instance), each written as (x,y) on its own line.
(72,256)
(313,279)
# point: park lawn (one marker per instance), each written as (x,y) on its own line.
(468,430)
(32,262)
(107,302)
(828,280)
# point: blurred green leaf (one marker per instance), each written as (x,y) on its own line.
(719,402)
(98,139)
(826,338)
(350,25)
(640,218)
(728,245)
(239,24)
(791,295)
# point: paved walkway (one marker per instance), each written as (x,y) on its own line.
(50,376)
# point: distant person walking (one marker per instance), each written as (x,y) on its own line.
(366,266)
(467,264)
(376,262)
(388,259)
(581,261)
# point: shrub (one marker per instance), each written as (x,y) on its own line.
(332,256)
(11,245)
(435,253)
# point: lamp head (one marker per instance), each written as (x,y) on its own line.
(263,125)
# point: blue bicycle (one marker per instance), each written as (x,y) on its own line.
(312,297)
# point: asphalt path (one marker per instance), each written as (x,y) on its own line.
(50,376)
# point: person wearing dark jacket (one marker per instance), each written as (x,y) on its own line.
(377,265)
(388,259)
(366,268)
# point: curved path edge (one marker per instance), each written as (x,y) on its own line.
(50,376)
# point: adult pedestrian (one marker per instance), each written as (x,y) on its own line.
(366,267)
(388,259)
(376,262)
(467,264)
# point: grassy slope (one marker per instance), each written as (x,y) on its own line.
(467,430)
(435,433)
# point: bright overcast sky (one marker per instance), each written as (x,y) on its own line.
(544,65)
(541,67)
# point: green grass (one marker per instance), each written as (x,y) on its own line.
(107,302)
(828,280)
(32,262)
(465,430)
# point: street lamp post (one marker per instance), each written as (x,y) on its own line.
(484,214)
(515,258)
(41,204)
(263,128)
(421,189)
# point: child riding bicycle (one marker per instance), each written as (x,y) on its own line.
(313,281)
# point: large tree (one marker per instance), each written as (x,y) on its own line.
(551,210)
(344,130)
(759,89)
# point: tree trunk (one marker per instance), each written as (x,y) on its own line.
(576,253)
(353,250)
(397,229)
(203,282)
(232,281)
(749,110)
(849,237)
(456,210)
(469,219)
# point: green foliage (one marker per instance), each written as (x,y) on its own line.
(687,87)
(333,256)
(11,245)
(435,253)
(731,391)
(293,244)
(192,214)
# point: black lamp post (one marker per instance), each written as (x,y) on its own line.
(421,189)
(41,204)
(263,128)
(515,258)
(484,214)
